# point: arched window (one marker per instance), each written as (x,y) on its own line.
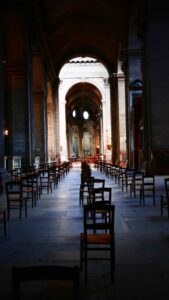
(74,113)
(86,115)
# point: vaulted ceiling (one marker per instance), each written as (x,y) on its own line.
(70,28)
(84,96)
(64,29)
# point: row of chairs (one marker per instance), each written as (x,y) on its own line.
(99,218)
(136,183)
(131,181)
(28,185)
(34,273)
(98,235)
(88,184)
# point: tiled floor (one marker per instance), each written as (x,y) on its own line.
(50,235)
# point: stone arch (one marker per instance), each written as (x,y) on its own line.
(92,83)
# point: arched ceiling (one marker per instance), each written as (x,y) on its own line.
(83,96)
(83,90)
(72,28)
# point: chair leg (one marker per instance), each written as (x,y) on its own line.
(140,196)
(161,205)
(8,211)
(112,262)
(20,210)
(131,190)
(81,255)
(85,265)
(154,198)
(26,208)
(80,198)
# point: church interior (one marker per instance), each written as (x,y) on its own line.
(85,83)
(39,37)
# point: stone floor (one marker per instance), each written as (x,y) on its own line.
(50,235)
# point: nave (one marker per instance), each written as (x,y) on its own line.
(51,235)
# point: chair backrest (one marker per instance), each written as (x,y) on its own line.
(98,183)
(92,223)
(27,180)
(15,174)
(88,180)
(148,180)
(46,272)
(138,178)
(101,195)
(85,177)
(13,188)
(129,173)
(138,175)
(93,182)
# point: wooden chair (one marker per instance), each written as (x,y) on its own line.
(15,199)
(45,272)
(147,189)
(98,235)
(45,182)
(86,179)
(165,197)
(52,173)
(36,184)
(29,189)
(98,183)
(95,189)
(120,175)
(15,174)
(116,172)
(100,195)
(127,178)
(136,183)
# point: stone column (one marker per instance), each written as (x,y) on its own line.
(122,115)
(30,140)
(56,144)
(62,124)
(106,113)
(115,120)
(38,122)
(50,122)
(40,110)
(1,105)
(18,111)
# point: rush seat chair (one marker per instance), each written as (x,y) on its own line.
(47,273)
(98,235)
(147,189)
(15,199)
